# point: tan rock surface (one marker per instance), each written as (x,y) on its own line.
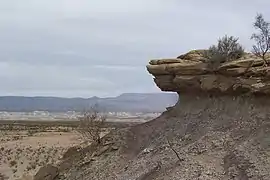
(246,75)
(23,153)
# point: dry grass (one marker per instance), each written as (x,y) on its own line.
(24,149)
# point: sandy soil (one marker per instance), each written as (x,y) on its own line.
(22,153)
(25,146)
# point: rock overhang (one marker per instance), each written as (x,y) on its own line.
(193,73)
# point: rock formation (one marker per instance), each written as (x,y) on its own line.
(220,128)
(192,72)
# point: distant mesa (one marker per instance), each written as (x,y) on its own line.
(128,102)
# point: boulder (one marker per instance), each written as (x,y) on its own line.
(47,172)
(71,151)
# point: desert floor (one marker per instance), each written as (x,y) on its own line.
(24,150)
(27,146)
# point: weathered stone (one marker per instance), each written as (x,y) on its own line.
(25,177)
(48,172)
(157,69)
(165,82)
(164,61)
(103,150)
(185,67)
(115,148)
(259,72)
(187,82)
(193,55)
(188,68)
(71,151)
(221,83)
(208,82)
(245,75)
(234,71)
(245,63)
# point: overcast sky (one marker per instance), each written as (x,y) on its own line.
(84,48)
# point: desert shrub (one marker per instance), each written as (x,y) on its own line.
(227,49)
(91,124)
(12,163)
(31,132)
(262,38)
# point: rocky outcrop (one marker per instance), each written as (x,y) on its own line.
(192,72)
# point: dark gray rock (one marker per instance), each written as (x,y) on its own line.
(48,172)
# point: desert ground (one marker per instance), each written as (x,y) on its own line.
(25,146)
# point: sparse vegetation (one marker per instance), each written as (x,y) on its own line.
(262,38)
(27,145)
(91,124)
(227,49)
(31,132)
(27,154)
(12,163)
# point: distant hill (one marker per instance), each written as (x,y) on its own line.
(128,102)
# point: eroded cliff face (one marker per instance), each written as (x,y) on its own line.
(192,72)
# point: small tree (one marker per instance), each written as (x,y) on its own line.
(262,38)
(227,49)
(91,124)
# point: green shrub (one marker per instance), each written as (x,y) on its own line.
(227,49)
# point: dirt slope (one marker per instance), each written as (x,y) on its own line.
(216,138)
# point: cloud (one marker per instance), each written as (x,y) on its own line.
(98,47)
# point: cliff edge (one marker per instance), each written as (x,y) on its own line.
(218,130)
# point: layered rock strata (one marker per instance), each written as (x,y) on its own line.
(192,72)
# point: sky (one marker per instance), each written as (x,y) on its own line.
(82,48)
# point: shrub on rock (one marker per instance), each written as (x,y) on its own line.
(227,49)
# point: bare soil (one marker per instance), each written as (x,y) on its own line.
(26,146)
(23,152)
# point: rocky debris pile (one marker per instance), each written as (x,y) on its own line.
(193,72)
